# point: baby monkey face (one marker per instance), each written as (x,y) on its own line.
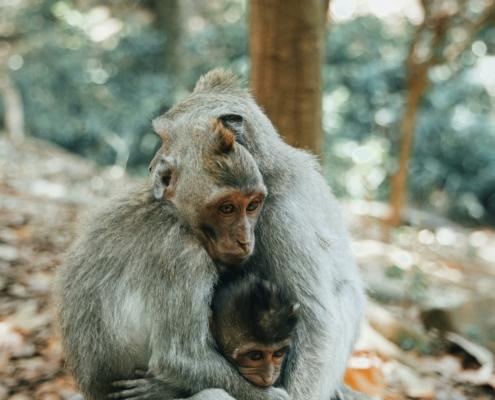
(260,364)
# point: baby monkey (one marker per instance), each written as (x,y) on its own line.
(252,322)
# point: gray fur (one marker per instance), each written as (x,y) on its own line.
(135,288)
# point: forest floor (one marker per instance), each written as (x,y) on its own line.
(430,331)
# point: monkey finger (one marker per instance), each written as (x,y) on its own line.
(125,394)
(129,383)
(141,373)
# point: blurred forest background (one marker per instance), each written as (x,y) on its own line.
(90,75)
(407,142)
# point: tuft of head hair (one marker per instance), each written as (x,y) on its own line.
(218,79)
(257,309)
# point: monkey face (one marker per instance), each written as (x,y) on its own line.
(227,231)
(214,184)
(260,365)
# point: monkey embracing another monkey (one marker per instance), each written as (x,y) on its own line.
(135,288)
(252,323)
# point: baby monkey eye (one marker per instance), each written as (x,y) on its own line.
(253,205)
(279,353)
(255,355)
(227,208)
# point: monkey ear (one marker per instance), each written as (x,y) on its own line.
(162,176)
(155,159)
(234,123)
(224,138)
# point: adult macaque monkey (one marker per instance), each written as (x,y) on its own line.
(135,289)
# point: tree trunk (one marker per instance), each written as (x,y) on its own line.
(286,45)
(417,83)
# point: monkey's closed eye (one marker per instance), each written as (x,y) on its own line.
(255,355)
(227,208)
(253,205)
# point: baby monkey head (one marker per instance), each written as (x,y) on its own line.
(212,181)
(253,322)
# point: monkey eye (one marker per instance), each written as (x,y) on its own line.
(255,355)
(227,208)
(253,205)
(279,353)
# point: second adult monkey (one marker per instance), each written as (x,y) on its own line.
(135,289)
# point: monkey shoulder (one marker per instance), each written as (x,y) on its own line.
(126,230)
(129,212)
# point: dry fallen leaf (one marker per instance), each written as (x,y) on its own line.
(364,374)
(11,341)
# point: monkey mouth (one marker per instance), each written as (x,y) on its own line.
(235,258)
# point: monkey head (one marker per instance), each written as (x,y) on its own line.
(253,321)
(212,181)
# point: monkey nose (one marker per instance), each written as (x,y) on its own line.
(244,246)
(267,378)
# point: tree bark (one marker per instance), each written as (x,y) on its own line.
(286,45)
(417,83)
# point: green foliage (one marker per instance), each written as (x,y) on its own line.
(363,102)
(452,170)
(93,76)
(222,41)
(417,284)
(394,272)
(95,97)
(95,92)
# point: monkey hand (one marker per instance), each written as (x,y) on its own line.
(277,393)
(145,387)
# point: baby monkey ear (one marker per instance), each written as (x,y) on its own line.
(234,123)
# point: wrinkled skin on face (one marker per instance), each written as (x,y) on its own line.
(227,231)
(259,364)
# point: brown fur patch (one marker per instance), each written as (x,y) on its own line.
(224,138)
(170,190)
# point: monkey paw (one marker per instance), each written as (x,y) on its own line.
(140,389)
(278,394)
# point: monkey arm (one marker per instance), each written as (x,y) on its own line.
(150,387)
(314,262)
(146,386)
(205,368)
(320,355)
